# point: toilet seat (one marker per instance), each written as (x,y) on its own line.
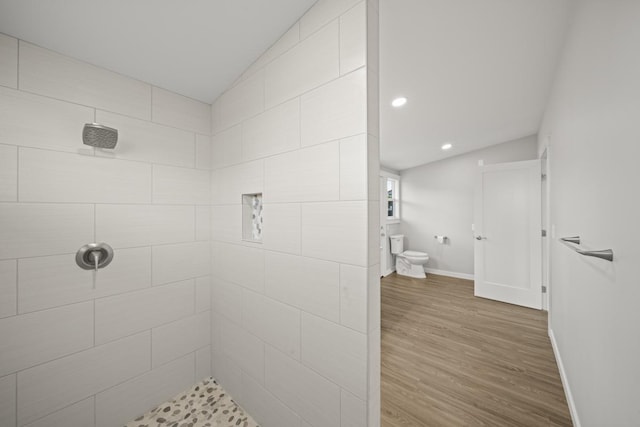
(414,254)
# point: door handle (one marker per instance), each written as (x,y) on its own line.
(480,238)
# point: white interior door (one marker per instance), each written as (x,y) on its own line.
(508,245)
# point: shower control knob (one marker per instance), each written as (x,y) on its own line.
(93,256)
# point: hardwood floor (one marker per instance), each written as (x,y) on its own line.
(451,359)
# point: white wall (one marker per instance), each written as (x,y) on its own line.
(296,317)
(70,353)
(592,120)
(437,199)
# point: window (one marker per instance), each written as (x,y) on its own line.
(393,199)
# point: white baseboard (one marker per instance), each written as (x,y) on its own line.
(449,273)
(388,272)
(565,381)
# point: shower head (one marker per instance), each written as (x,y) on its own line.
(99,136)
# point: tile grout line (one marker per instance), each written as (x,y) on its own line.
(339,23)
(150,349)
(88,300)
(299,95)
(15,383)
(289,305)
(94,322)
(340,294)
(59,410)
(195,150)
(18,174)
(17,288)
(18,48)
(106,110)
(17,274)
(312,370)
(95,281)
(105,157)
(287,151)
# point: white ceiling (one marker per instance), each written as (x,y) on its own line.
(193,47)
(476,73)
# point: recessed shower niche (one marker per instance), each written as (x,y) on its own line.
(252,217)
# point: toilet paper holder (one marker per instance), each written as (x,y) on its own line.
(441,239)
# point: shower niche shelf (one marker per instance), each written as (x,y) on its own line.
(252,217)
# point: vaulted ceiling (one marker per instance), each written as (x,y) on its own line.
(475,73)
(194,47)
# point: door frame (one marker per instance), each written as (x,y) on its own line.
(546,225)
(385,267)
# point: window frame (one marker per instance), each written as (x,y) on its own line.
(395,199)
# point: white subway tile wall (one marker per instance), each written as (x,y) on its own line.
(338,353)
(283,328)
(322,13)
(353,38)
(226,147)
(181,112)
(76,347)
(8,173)
(309,394)
(309,64)
(47,73)
(148,142)
(8,288)
(78,414)
(120,404)
(180,338)
(9,62)
(203,362)
(29,120)
(38,337)
(203,152)
(283,232)
(243,348)
(292,316)
(53,385)
(52,281)
(265,406)
(283,44)
(49,176)
(275,131)
(126,226)
(126,314)
(353,411)
(8,400)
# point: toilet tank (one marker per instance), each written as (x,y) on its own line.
(397,243)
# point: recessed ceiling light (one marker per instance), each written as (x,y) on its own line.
(399,102)
(447,146)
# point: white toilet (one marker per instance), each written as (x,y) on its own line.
(408,263)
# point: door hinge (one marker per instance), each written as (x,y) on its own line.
(544,233)
(544,289)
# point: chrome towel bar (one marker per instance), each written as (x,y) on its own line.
(604,254)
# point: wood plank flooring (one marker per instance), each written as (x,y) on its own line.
(451,359)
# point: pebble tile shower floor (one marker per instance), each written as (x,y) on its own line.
(206,404)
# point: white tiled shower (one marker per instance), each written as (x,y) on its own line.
(289,326)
